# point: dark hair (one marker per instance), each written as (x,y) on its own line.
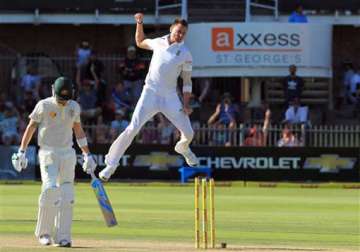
(183,22)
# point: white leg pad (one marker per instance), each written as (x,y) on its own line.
(49,201)
(64,216)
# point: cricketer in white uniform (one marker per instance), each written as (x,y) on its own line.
(56,118)
(170,59)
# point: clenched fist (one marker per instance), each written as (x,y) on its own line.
(139,18)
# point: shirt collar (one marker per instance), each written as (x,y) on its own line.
(167,36)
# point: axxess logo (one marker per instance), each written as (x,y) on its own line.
(225,39)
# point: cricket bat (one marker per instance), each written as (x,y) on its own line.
(103,201)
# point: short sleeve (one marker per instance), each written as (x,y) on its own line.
(37,114)
(153,43)
(77,113)
(187,66)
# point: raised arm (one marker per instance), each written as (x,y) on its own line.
(140,38)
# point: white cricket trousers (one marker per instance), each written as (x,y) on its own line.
(57,166)
(149,104)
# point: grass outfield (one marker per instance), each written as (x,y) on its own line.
(160,218)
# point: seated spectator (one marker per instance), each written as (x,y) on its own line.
(298,15)
(296,114)
(354,86)
(121,97)
(29,102)
(9,126)
(220,136)
(166,130)
(88,102)
(293,85)
(255,137)
(132,72)
(31,81)
(225,112)
(83,52)
(149,134)
(345,93)
(288,139)
(119,124)
(101,134)
(108,109)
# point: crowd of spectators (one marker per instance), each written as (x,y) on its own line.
(107,107)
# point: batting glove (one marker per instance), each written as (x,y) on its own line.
(19,160)
(89,164)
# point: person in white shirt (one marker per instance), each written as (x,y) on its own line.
(170,59)
(56,118)
(296,114)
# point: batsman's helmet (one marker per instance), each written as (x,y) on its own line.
(63,88)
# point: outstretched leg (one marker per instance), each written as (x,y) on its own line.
(144,110)
(173,111)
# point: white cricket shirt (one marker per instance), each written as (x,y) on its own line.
(166,64)
(55,122)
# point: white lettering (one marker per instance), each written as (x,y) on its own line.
(223,39)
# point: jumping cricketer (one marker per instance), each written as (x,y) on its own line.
(170,59)
(56,118)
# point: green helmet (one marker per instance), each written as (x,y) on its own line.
(63,88)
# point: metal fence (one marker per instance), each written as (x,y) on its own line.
(314,136)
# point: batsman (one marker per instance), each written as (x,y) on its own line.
(56,118)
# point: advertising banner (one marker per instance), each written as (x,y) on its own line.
(238,163)
(264,46)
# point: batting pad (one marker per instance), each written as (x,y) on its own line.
(64,215)
(49,201)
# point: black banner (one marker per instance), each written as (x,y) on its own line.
(237,163)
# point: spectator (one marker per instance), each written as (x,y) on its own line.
(9,126)
(354,86)
(298,15)
(108,110)
(254,138)
(93,72)
(345,92)
(225,112)
(220,136)
(149,133)
(293,85)
(121,97)
(132,72)
(288,139)
(166,130)
(83,52)
(296,114)
(29,102)
(119,124)
(88,102)
(31,81)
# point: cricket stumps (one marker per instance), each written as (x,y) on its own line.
(207,187)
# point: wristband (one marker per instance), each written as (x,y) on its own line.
(82,142)
(139,22)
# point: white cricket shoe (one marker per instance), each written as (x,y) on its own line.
(64,244)
(106,173)
(189,156)
(45,240)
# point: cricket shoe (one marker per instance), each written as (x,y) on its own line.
(64,244)
(189,156)
(45,240)
(106,173)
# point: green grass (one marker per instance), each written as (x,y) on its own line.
(245,216)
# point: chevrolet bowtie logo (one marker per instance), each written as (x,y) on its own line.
(329,163)
(158,160)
